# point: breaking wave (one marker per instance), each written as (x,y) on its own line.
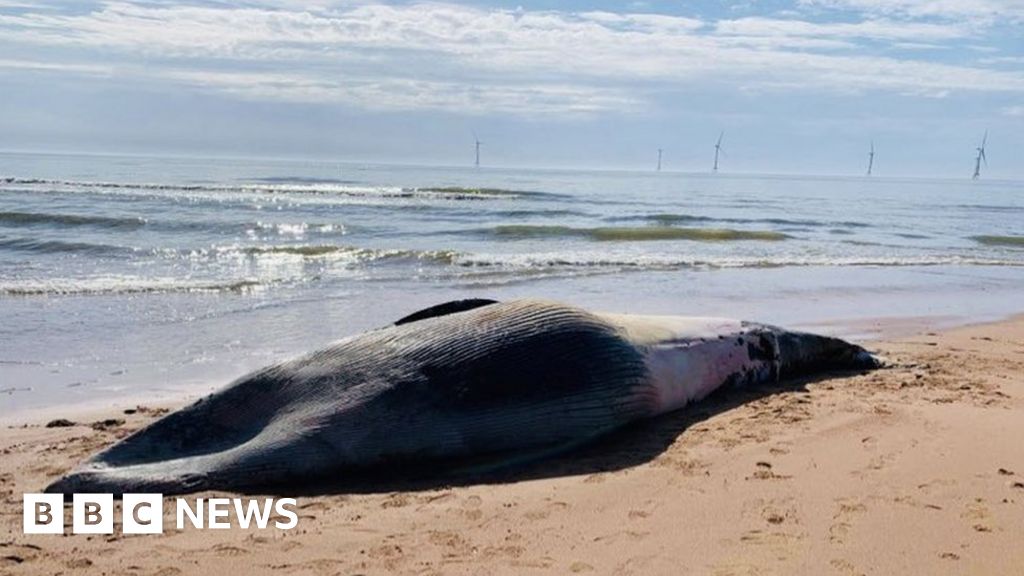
(129,285)
(58,247)
(461,192)
(312,186)
(653,262)
(635,233)
(451,265)
(353,253)
(669,219)
(31,218)
(996,240)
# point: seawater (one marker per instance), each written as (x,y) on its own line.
(152,277)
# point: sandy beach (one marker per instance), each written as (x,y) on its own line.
(913,469)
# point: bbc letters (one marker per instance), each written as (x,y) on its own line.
(144,513)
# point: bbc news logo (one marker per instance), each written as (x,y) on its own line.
(144,513)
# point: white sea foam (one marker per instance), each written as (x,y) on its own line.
(128,285)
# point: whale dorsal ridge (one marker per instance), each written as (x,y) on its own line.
(446,308)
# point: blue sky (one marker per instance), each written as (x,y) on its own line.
(797,87)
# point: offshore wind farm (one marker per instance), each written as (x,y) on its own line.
(979,158)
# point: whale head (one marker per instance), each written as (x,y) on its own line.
(802,353)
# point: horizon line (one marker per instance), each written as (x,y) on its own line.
(569,168)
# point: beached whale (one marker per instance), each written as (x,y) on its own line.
(462,379)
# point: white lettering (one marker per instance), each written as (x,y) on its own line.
(185,510)
(92,514)
(142,514)
(281,507)
(247,513)
(43,514)
(218,508)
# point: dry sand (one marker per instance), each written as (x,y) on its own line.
(915,469)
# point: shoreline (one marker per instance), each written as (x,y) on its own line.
(842,475)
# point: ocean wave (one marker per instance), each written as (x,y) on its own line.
(997,240)
(128,285)
(19,219)
(58,247)
(666,219)
(353,254)
(309,187)
(538,212)
(111,185)
(669,219)
(300,180)
(992,207)
(295,229)
(312,251)
(653,262)
(31,218)
(635,233)
(470,193)
(459,267)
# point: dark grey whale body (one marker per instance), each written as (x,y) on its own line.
(463,379)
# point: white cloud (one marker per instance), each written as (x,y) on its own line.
(917,46)
(1002,60)
(408,94)
(31,65)
(1015,111)
(869,29)
(646,22)
(472,60)
(975,10)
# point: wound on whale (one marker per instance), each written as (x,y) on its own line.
(458,380)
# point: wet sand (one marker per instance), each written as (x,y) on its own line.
(917,468)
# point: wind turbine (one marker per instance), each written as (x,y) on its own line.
(718,149)
(476,162)
(659,159)
(980,157)
(871,157)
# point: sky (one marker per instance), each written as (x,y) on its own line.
(803,87)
